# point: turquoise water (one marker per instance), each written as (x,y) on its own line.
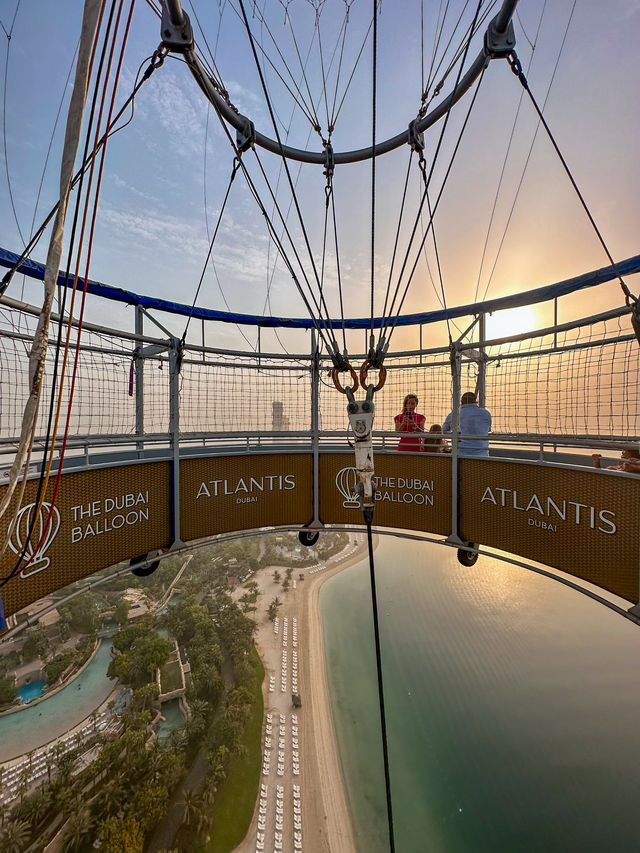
(31,691)
(512,707)
(33,726)
(173,719)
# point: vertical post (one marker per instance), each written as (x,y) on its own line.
(420,343)
(204,355)
(555,340)
(482,366)
(455,440)
(315,425)
(174,433)
(139,374)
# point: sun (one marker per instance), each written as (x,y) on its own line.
(511,321)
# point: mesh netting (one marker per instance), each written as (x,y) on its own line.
(584,381)
(101,404)
(238,396)
(429,378)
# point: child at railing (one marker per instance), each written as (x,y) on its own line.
(431,444)
(629,461)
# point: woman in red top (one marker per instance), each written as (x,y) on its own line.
(410,421)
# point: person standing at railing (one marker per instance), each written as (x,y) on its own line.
(629,461)
(474,420)
(410,421)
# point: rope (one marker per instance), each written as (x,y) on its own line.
(38,351)
(374,78)
(286,166)
(4,120)
(384,325)
(48,441)
(155,62)
(435,207)
(234,171)
(383,721)
(516,67)
(58,479)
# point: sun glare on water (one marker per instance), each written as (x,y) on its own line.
(512,321)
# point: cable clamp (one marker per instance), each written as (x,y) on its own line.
(329,163)
(246,137)
(176,37)
(635,318)
(499,44)
(415,138)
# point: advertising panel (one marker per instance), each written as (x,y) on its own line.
(586,523)
(100,517)
(226,493)
(412,492)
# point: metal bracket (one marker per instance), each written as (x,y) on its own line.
(177,37)
(246,138)
(415,137)
(361,421)
(152,349)
(499,44)
(329,162)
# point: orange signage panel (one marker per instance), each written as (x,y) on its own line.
(412,492)
(219,494)
(586,523)
(100,517)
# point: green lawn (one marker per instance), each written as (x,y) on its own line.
(236,799)
(170,678)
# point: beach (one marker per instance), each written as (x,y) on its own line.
(301,798)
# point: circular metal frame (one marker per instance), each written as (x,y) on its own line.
(499,33)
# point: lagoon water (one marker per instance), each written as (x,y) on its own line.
(512,707)
(37,724)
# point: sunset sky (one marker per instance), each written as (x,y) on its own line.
(152,232)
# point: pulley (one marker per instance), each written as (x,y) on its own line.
(144,571)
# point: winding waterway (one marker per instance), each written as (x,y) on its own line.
(37,724)
(512,707)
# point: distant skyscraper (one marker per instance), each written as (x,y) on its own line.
(278,421)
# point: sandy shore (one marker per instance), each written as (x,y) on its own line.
(295,645)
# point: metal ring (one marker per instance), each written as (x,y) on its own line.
(335,374)
(364,372)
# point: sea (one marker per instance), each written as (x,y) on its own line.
(512,707)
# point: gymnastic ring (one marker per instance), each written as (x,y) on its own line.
(364,372)
(336,372)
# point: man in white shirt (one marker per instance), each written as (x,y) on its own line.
(474,420)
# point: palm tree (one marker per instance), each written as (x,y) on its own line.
(191,806)
(78,827)
(14,836)
(111,798)
(40,803)
(94,719)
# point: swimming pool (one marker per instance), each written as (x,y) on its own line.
(29,692)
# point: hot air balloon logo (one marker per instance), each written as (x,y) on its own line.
(35,548)
(346,484)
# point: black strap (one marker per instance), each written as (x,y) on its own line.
(383,723)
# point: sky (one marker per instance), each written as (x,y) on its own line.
(166,174)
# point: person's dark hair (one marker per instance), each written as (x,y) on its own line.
(468,397)
(634,451)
